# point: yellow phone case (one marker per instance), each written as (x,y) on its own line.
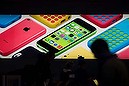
(51,21)
(79,51)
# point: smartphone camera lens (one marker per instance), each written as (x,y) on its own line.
(69,17)
(28,19)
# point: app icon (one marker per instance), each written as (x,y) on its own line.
(68,41)
(59,46)
(75,37)
(71,35)
(53,36)
(84,32)
(72,24)
(77,27)
(72,30)
(79,35)
(75,32)
(51,41)
(62,30)
(58,33)
(57,38)
(66,38)
(62,35)
(67,33)
(55,44)
(71,40)
(67,27)
(47,39)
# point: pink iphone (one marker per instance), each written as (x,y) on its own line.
(20,35)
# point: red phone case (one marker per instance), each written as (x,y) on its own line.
(20,35)
(124,54)
(103,20)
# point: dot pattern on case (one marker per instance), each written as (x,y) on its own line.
(52,18)
(114,37)
(103,18)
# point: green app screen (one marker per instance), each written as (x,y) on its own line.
(66,35)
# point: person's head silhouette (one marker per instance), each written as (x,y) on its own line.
(100,48)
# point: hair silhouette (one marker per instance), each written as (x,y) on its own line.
(100,48)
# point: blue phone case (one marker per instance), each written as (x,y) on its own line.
(117,36)
(6,20)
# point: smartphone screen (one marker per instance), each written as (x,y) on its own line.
(68,35)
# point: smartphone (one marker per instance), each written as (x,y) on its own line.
(52,21)
(117,36)
(20,35)
(27,56)
(66,37)
(103,20)
(6,20)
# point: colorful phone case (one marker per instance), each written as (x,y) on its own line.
(117,36)
(51,21)
(20,35)
(79,51)
(103,20)
(6,20)
(124,54)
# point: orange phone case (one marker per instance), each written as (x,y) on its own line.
(20,35)
(51,21)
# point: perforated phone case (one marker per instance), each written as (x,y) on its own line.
(115,38)
(103,20)
(52,21)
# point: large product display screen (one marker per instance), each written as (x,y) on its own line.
(113,28)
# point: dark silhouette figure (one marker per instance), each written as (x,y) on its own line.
(38,74)
(28,75)
(82,77)
(112,71)
(65,74)
(42,69)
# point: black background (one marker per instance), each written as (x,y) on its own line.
(63,6)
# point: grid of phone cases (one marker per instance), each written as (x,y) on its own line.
(68,54)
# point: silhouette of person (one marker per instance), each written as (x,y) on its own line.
(111,70)
(42,69)
(65,73)
(82,77)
